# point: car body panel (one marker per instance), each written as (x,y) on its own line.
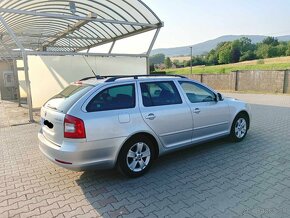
(82,155)
(212,119)
(171,123)
(173,127)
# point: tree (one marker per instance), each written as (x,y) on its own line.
(152,68)
(157,59)
(186,63)
(242,50)
(262,50)
(288,49)
(224,54)
(248,55)
(168,63)
(273,51)
(246,45)
(176,62)
(281,49)
(235,51)
(271,41)
(212,57)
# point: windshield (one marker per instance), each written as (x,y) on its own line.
(67,97)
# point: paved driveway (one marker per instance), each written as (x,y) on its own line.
(218,179)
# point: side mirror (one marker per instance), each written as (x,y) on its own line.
(220,97)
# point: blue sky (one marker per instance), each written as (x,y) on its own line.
(191,21)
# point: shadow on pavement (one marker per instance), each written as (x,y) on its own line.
(213,175)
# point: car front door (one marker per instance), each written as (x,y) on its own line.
(166,113)
(210,116)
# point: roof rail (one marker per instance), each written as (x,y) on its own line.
(92,77)
(114,78)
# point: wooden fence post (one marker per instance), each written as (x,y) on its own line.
(237,81)
(286,82)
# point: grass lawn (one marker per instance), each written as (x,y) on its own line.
(281,63)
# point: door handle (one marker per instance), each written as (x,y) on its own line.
(196,111)
(150,116)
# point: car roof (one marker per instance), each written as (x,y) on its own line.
(110,79)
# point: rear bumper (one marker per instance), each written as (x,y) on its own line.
(82,156)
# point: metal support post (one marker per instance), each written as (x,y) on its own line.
(112,46)
(148,65)
(191,60)
(17,82)
(24,55)
(153,41)
(27,81)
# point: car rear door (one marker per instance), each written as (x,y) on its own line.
(165,112)
(211,118)
(111,112)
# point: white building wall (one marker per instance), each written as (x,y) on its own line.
(50,74)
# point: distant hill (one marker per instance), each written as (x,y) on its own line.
(205,47)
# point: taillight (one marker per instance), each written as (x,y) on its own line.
(74,127)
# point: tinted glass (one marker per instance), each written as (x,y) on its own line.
(159,93)
(114,98)
(67,97)
(197,93)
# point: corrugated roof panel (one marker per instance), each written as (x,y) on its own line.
(41,24)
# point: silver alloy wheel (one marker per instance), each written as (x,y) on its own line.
(240,128)
(138,157)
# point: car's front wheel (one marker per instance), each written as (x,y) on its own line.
(239,128)
(136,157)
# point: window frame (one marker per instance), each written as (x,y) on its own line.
(202,87)
(104,88)
(174,86)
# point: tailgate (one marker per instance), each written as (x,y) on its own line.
(52,125)
(54,111)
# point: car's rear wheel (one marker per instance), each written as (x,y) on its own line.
(136,157)
(239,128)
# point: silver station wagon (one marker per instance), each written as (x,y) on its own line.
(128,121)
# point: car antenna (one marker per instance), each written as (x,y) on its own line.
(90,67)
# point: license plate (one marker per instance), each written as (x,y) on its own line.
(42,121)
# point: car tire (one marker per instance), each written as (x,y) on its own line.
(239,128)
(136,157)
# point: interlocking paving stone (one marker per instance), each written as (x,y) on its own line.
(216,179)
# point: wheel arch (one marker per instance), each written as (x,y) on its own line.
(246,114)
(148,135)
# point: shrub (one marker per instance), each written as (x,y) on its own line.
(260,61)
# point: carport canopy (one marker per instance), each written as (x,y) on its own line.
(71,26)
(59,27)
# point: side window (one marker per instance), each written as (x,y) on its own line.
(159,93)
(197,93)
(113,98)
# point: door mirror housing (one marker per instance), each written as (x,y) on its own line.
(220,97)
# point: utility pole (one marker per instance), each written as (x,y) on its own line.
(190,59)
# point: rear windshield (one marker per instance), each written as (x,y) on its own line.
(67,97)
